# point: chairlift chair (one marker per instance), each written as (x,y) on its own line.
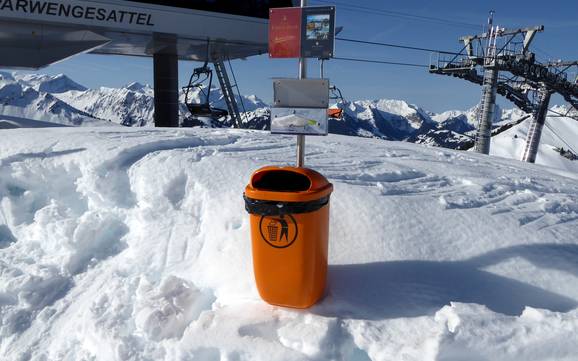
(201,79)
(335,94)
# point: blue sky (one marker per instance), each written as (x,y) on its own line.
(373,81)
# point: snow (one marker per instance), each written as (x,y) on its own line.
(389,116)
(32,100)
(120,106)
(133,244)
(511,143)
(18,100)
(9,122)
(49,84)
(138,87)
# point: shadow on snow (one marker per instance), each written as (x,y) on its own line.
(416,288)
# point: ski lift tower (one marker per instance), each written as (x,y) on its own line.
(526,82)
(493,51)
(38,33)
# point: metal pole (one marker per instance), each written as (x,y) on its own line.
(486,111)
(489,88)
(535,131)
(301,137)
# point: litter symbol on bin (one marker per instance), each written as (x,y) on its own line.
(278,231)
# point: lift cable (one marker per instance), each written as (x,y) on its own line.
(560,115)
(559,137)
(399,14)
(554,132)
(402,46)
(544,53)
(391,45)
(382,62)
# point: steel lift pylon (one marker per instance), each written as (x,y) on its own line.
(528,83)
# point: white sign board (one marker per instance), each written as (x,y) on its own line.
(305,121)
(301,93)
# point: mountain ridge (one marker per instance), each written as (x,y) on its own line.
(59,99)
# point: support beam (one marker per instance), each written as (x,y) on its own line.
(166,78)
(528,39)
(301,137)
(486,111)
(504,32)
(228,93)
(535,130)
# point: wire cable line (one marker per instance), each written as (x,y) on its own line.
(559,137)
(560,115)
(391,45)
(382,62)
(399,14)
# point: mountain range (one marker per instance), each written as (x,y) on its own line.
(59,99)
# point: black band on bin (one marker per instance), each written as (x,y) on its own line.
(275,208)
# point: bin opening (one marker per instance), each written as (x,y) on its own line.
(282,181)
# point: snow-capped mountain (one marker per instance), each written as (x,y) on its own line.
(384,118)
(140,88)
(248,103)
(122,106)
(131,105)
(20,100)
(50,84)
(399,120)
(59,99)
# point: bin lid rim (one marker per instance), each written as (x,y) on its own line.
(317,181)
(300,196)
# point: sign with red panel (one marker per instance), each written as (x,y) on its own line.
(285,32)
(307,32)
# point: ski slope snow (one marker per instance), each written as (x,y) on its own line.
(559,132)
(133,244)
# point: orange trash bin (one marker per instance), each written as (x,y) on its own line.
(289,213)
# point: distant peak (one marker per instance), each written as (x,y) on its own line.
(59,83)
(135,86)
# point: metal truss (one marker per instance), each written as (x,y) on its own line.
(500,61)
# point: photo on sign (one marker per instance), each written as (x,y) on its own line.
(307,121)
(318,27)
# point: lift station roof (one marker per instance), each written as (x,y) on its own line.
(37,33)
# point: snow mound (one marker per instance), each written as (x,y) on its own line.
(10,122)
(125,244)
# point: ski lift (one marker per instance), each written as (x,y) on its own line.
(334,93)
(201,79)
(337,112)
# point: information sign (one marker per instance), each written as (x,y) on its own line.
(285,32)
(301,93)
(307,32)
(318,35)
(305,121)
